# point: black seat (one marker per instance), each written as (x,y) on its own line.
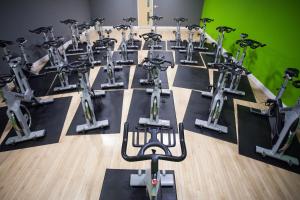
(21,40)
(296,84)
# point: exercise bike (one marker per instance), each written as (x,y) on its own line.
(151,37)
(284,121)
(17,113)
(190,47)
(60,66)
(178,41)
(110,67)
(20,80)
(73,25)
(218,98)
(160,138)
(203,38)
(131,41)
(155,66)
(89,51)
(124,51)
(219,50)
(82,69)
(155,20)
(239,59)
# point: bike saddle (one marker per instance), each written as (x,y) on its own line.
(225,29)
(43,29)
(100,20)
(244,35)
(180,19)
(129,19)
(193,26)
(21,40)
(68,21)
(292,72)
(155,17)
(121,27)
(153,36)
(5,43)
(296,84)
(5,79)
(206,20)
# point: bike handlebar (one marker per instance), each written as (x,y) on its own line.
(5,79)
(129,19)
(100,20)
(206,20)
(121,27)
(141,156)
(250,43)
(5,43)
(155,18)
(43,29)
(69,21)
(225,29)
(180,19)
(153,36)
(193,26)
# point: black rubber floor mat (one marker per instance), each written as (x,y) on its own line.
(131,56)
(254,130)
(207,45)
(172,43)
(198,108)
(136,43)
(141,73)
(121,76)
(243,86)
(41,84)
(192,78)
(167,55)
(162,43)
(3,120)
(209,59)
(182,56)
(140,107)
(107,107)
(98,56)
(50,117)
(116,186)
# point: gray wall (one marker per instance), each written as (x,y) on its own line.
(113,10)
(169,9)
(16,17)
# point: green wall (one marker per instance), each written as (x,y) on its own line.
(273,22)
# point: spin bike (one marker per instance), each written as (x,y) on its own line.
(190,47)
(88,52)
(60,65)
(124,51)
(178,41)
(161,138)
(82,69)
(155,20)
(151,37)
(239,59)
(154,67)
(21,81)
(203,38)
(73,25)
(53,51)
(17,113)
(219,50)
(131,41)
(284,121)
(110,67)
(218,98)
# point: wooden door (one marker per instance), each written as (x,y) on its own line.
(145,9)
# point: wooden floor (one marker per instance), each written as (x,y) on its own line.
(74,168)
